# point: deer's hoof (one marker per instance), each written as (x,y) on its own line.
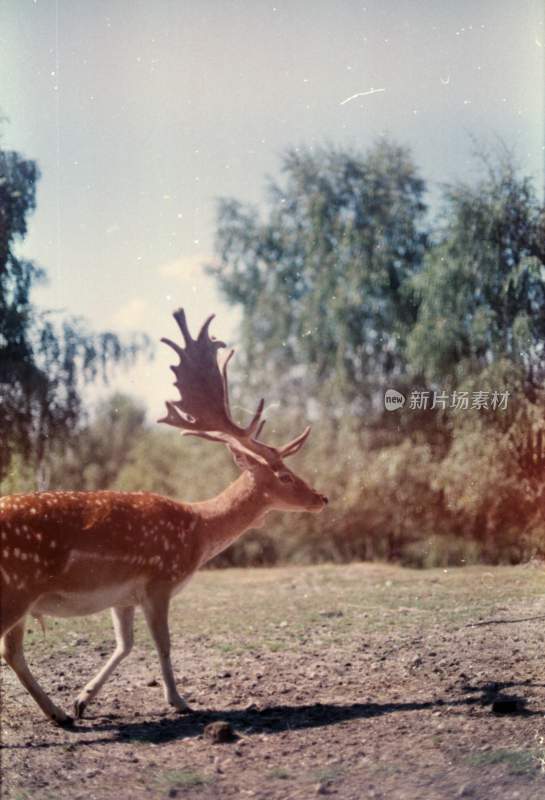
(79,708)
(181,706)
(61,719)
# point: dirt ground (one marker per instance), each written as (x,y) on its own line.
(356,682)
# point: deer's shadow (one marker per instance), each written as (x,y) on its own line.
(276,719)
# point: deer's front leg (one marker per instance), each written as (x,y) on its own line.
(123,622)
(13,653)
(156,612)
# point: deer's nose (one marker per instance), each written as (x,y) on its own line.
(325,499)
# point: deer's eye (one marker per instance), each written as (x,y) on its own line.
(285,477)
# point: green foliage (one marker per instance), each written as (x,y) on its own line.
(492,479)
(18,477)
(97,452)
(325,281)
(162,461)
(43,362)
(482,288)
(446,550)
(397,504)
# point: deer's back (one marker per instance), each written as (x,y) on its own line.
(87,542)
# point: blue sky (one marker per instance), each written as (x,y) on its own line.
(140,114)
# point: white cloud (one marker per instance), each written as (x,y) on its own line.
(187,284)
(132,315)
(185,269)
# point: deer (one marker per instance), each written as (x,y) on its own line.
(74,553)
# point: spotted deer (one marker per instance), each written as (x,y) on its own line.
(70,554)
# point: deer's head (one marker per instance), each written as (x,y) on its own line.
(203,410)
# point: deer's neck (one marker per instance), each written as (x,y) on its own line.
(222,519)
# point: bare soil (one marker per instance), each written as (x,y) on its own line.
(356,682)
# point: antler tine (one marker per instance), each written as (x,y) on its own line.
(203,333)
(295,445)
(179,316)
(226,381)
(175,418)
(256,420)
(177,349)
(260,428)
(251,427)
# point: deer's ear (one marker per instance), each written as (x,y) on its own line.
(244,459)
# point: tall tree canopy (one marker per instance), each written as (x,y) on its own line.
(482,289)
(42,363)
(325,280)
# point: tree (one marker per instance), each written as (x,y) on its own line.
(43,363)
(481,327)
(325,280)
(97,453)
(482,288)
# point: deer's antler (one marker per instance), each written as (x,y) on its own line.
(203,408)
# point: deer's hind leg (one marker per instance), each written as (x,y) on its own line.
(13,653)
(123,622)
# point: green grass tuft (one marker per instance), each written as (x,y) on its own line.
(518,762)
(279,773)
(185,778)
